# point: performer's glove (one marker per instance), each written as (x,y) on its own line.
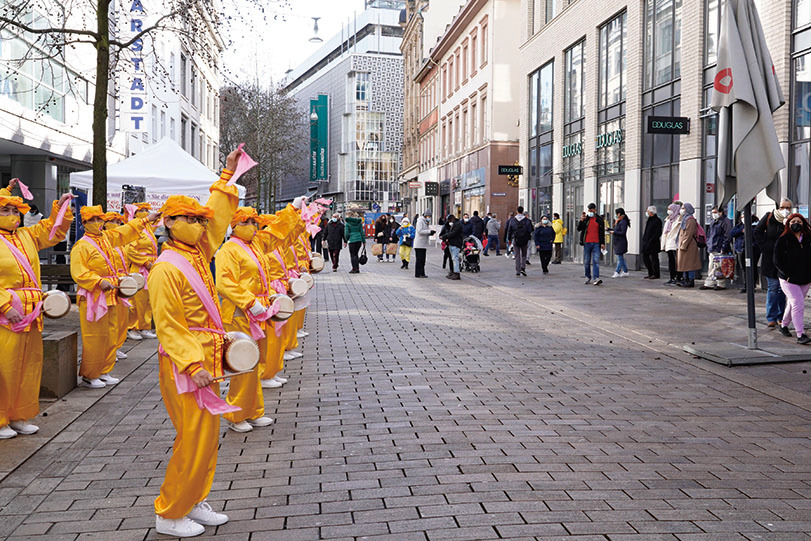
(257,309)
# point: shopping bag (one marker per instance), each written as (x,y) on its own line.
(377,249)
(391,249)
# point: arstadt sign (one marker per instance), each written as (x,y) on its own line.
(670,125)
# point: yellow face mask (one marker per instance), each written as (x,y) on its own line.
(187,233)
(94,228)
(9,223)
(110,225)
(245,233)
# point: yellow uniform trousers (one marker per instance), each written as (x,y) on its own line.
(99,340)
(140,316)
(245,391)
(301,318)
(405,252)
(273,361)
(20,374)
(289,331)
(190,471)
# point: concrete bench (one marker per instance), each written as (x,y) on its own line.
(60,352)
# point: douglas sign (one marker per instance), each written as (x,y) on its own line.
(672,125)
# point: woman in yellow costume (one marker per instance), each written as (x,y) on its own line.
(243,285)
(296,320)
(141,255)
(303,255)
(20,303)
(189,325)
(111,221)
(94,271)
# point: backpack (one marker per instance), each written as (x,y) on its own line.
(523,232)
(701,236)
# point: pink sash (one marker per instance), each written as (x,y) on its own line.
(16,303)
(96,305)
(60,217)
(206,398)
(255,321)
(289,273)
(252,255)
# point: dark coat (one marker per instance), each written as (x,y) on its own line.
(739,239)
(719,236)
(652,236)
(620,233)
(583,226)
(766,234)
(792,259)
(544,237)
(382,231)
(467,228)
(514,224)
(454,235)
(477,227)
(334,233)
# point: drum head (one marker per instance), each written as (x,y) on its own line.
(307,277)
(139,279)
(286,307)
(127,286)
(297,287)
(317,263)
(241,352)
(55,304)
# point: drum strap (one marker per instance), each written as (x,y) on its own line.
(196,283)
(252,255)
(102,252)
(306,246)
(289,273)
(21,259)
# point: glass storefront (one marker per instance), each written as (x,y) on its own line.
(799,173)
(541,88)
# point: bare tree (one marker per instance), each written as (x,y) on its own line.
(272,126)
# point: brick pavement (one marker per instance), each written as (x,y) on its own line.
(480,409)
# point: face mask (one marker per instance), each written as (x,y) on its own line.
(466,219)
(669,212)
(544,221)
(590,214)
(9,223)
(334,219)
(785,212)
(141,214)
(93,228)
(715,215)
(110,225)
(245,232)
(796,227)
(187,233)
(681,212)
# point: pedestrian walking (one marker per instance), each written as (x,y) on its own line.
(353,233)
(394,239)
(688,257)
(406,235)
(453,238)
(476,226)
(670,241)
(508,238)
(719,246)
(335,239)
(651,243)
(739,247)
(421,234)
(467,227)
(446,253)
(544,238)
(493,227)
(768,230)
(521,228)
(619,234)
(382,234)
(792,258)
(592,232)
(560,233)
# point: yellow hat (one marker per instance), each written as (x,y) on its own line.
(92,212)
(110,216)
(243,214)
(14,201)
(143,206)
(183,205)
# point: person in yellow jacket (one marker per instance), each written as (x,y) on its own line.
(141,255)
(188,322)
(20,322)
(242,282)
(93,269)
(111,221)
(560,233)
(290,333)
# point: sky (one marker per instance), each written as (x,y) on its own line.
(264,46)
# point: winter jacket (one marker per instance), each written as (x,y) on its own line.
(583,226)
(768,230)
(620,236)
(467,228)
(477,227)
(394,232)
(544,237)
(651,238)
(406,232)
(422,233)
(557,225)
(739,238)
(688,257)
(454,235)
(334,233)
(353,229)
(493,226)
(719,236)
(519,222)
(382,231)
(792,258)
(670,240)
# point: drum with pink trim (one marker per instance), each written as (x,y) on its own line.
(316,263)
(307,277)
(55,304)
(139,279)
(127,286)
(285,304)
(297,287)
(240,352)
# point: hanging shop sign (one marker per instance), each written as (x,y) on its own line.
(432,188)
(510,170)
(319,138)
(609,139)
(669,125)
(135,106)
(415,184)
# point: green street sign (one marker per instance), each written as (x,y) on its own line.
(319,138)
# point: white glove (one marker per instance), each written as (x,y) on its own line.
(257,309)
(300,201)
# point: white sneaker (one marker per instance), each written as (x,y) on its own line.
(240,427)
(92,383)
(108,379)
(280,379)
(148,334)
(181,527)
(260,421)
(302,334)
(7,432)
(270,384)
(135,335)
(288,356)
(296,354)
(23,427)
(120,354)
(616,275)
(202,513)
(624,274)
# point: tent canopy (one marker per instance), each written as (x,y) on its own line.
(162,168)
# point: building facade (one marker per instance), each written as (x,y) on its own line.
(599,77)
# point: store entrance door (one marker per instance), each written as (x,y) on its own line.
(611,198)
(573,198)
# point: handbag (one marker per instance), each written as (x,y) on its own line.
(377,249)
(408,241)
(363,259)
(391,249)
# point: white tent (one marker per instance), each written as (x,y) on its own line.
(162,169)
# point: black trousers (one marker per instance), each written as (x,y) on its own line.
(546,257)
(354,248)
(334,255)
(419,264)
(446,258)
(671,265)
(652,264)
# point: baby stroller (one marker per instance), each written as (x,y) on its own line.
(471,249)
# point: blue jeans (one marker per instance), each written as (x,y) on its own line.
(621,265)
(775,300)
(691,275)
(591,255)
(455,258)
(492,240)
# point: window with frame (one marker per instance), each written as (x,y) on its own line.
(474,43)
(450,76)
(662,49)
(551,10)
(574,82)
(799,171)
(456,75)
(464,60)
(612,61)
(484,41)
(183,67)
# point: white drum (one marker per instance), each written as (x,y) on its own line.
(307,277)
(127,287)
(317,263)
(297,287)
(285,304)
(55,304)
(241,352)
(139,279)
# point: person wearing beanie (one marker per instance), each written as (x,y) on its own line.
(142,255)
(421,233)
(406,235)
